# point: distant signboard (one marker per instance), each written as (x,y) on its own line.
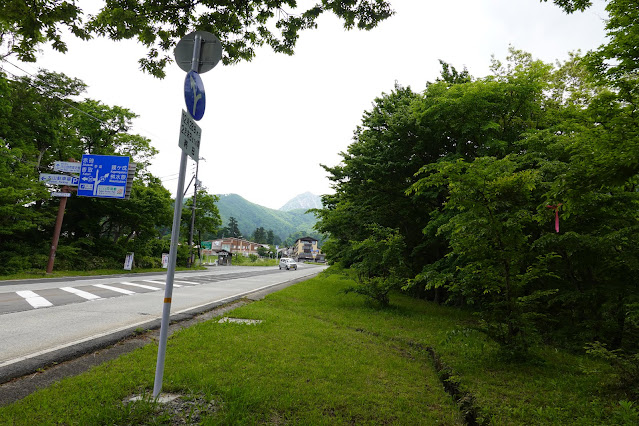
(208,245)
(103,176)
(61,194)
(67,166)
(58,179)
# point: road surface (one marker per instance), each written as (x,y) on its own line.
(45,320)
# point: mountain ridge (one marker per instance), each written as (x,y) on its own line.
(251,216)
(304,201)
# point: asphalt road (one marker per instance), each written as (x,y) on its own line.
(48,321)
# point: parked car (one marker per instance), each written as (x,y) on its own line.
(288,263)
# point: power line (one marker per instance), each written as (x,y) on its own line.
(38,89)
(15,76)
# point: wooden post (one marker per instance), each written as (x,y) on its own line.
(58,225)
(56,233)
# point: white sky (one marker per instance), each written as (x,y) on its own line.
(269,123)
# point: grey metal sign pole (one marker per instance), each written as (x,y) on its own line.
(175,234)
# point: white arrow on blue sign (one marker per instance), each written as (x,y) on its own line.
(103,176)
(194,95)
(58,179)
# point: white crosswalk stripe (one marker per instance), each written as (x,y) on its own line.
(33,299)
(119,290)
(81,293)
(148,287)
(185,282)
(160,282)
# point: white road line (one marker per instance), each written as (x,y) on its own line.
(33,299)
(161,282)
(148,287)
(119,290)
(81,293)
(185,282)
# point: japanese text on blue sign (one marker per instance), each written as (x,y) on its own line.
(103,176)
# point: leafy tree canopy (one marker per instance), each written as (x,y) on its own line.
(570,6)
(241,25)
(41,122)
(207,215)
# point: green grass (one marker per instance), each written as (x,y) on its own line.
(246,261)
(322,357)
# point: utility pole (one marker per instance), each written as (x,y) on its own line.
(191,256)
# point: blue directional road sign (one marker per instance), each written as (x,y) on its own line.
(103,176)
(58,179)
(194,95)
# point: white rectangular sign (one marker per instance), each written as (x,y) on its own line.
(61,194)
(190,135)
(67,166)
(128,261)
(58,179)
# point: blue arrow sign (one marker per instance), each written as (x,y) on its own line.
(103,176)
(194,95)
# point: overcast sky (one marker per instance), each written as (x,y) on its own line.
(270,123)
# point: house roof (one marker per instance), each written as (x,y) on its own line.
(306,239)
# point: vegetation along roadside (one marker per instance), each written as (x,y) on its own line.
(322,357)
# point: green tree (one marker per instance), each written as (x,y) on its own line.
(241,26)
(456,117)
(207,215)
(490,235)
(371,180)
(24,26)
(379,264)
(570,6)
(263,251)
(270,238)
(259,235)
(46,125)
(33,133)
(232,229)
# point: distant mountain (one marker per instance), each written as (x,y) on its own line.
(303,201)
(251,216)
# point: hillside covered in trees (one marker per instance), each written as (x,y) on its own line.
(250,216)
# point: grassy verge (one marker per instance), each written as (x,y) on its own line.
(247,261)
(59,274)
(322,357)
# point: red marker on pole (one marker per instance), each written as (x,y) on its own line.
(556,209)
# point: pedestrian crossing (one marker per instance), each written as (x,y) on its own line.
(22,300)
(65,295)
(33,299)
(83,294)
